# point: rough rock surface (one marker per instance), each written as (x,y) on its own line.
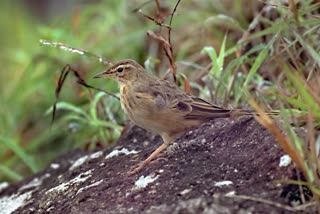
(223,166)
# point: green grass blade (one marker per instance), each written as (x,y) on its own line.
(69,107)
(315,55)
(214,58)
(7,172)
(226,21)
(306,99)
(93,106)
(13,146)
(255,67)
(222,56)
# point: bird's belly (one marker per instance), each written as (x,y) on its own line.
(141,114)
(160,123)
(143,119)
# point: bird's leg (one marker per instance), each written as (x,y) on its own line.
(166,142)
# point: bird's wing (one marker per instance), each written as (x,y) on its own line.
(151,95)
(166,96)
(203,110)
(191,107)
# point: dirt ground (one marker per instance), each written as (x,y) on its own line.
(223,166)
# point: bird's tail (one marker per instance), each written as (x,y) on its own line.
(244,112)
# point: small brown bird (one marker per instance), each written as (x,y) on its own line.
(160,106)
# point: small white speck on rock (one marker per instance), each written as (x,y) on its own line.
(34,183)
(3,185)
(203,140)
(79,162)
(143,181)
(223,183)
(185,191)
(146,143)
(89,186)
(66,185)
(55,165)
(285,160)
(117,152)
(231,193)
(96,154)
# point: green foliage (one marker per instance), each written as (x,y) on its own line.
(217,61)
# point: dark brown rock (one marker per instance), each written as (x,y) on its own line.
(185,179)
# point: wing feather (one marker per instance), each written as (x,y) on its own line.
(203,110)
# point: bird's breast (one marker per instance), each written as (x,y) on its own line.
(126,103)
(132,107)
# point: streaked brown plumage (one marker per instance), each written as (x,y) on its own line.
(160,106)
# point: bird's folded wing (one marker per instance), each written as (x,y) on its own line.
(169,98)
(149,100)
(203,110)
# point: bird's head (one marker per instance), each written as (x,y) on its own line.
(124,71)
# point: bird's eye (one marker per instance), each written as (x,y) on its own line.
(120,69)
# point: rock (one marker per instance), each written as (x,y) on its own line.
(241,156)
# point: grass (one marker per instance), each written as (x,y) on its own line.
(276,63)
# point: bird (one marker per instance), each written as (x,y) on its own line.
(160,106)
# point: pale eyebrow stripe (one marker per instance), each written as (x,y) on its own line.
(128,66)
(125,65)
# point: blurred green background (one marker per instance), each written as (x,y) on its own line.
(28,142)
(207,38)
(30,72)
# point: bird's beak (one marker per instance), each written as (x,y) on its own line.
(101,74)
